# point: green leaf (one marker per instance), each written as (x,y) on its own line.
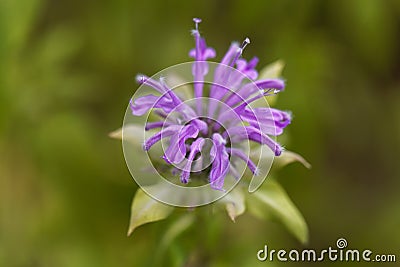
(234,203)
(272,71)
(117,134)
(145,209)
(131,132)
(288,157)
(271,201)
(134,134)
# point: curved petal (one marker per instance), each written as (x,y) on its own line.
(244,93)
(240,154)
(240,133)
(195,147)
(143,104)
(176,150)
(168,131)
(270,121)
(220,165)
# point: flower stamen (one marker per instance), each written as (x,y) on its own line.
(240,51)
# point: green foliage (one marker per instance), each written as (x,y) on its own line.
(145,210)
(234,202)
(131,133)
(272,70)
(270,201)
(288,157)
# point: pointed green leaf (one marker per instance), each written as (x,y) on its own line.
(234,203)
(117,134)
(134,134)
(272,71)
(271,201)
(288,157)
(130,132)
(145,209)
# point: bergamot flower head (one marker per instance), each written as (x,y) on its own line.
(205,131)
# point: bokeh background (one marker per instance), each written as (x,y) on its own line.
(67,72)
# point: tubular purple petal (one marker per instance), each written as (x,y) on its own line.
(220,164)
(239,51)
(201,52)
(229,54)
(176,150)
(271,84)
(261,87)
(168,131)
(154,125)
(217,91)
(175,99)
(202,126)
(240,154)
(200,68)
(270,121)
(240,133)
(143,79)
(248,68)
(143,104)
(195,148)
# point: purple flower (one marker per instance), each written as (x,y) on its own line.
(226,125)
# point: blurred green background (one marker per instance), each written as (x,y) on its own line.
(67,72)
